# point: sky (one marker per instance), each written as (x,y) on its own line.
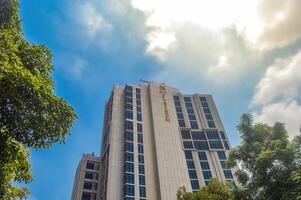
(247,54)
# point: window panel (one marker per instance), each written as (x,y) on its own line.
(187,145)
(129,136)
(216,144)
(203,99)
(129,147)
(181,123)
(129,157)
(129,125)
(139,117)
(201,145)
(140,138)
(128,114)
(211,124)
(222,155)
(205,104)
(141,159)
(140,148)
(228,174)
(212,135)
(139,127)
(141,180)
(207,175)
(129,190)
(198,135)
(205,165)
(202,155)
(90,165)
(192,174)
(185,134)
(194,125)
(206,110)
(209,117)
(142,192)
(129,178)
(141,169)
(223,136)
(195,185)
(226,145)
(129,167)
(190,164)
(191,117)
(188,155)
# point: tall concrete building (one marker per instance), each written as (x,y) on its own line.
(156,139)
(85,186)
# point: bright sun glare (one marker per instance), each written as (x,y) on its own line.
(213,14)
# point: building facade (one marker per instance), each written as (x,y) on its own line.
(85,186)
(156,139)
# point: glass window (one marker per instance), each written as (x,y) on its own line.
(88,175)
(205,165)
(87,186)
(202,155)
(198,135)
(129,167)
(222,155)
(194,125)
(129,147)
(141,180)
(187,99)
(207,175)
(207,182)
(129,100)
(129,178)
(178,109)
(228,174)
(190,164)
(129,125)
(139,117)
(206,110)
(188,105)
(211,124)
(138,90)
(222,135)
(195,184)
(208,116)
(138,96)
(180,116)
(141,159)
(205,104)
(139,127)
(187,145)
(138,108)
(138,102)
(224,165)
(128,94)
(181,123)
(128,88)
(140,148)
(192,174)
(176,98)
(129,157)
(191,117)
(226,145)
(86,196)
(216,144)
(129,106)
(185,134)
(177,103)
(129,190)
(188,155)
(128,114)
(212,135)
(190,111)
(140,138)
(203,99)
(90,165)
(142,192)
(129,136)
(141,169)
(201,145)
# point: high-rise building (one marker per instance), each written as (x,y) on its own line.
(156,139)
(85,186)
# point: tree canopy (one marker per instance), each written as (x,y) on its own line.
(31,115)
(214,191)
(268,163)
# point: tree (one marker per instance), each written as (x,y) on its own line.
(31,116)
(214,191)
(268,163)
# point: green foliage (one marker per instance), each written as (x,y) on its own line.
(214,191)
(268,163)
(30,114)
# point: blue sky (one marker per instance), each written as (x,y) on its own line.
(246,54)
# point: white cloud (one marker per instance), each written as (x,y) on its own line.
(73,66)
(277,94)
(281,79)
(281,22)
(92,20)
(288,112)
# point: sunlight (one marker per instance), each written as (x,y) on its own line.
(213,14)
